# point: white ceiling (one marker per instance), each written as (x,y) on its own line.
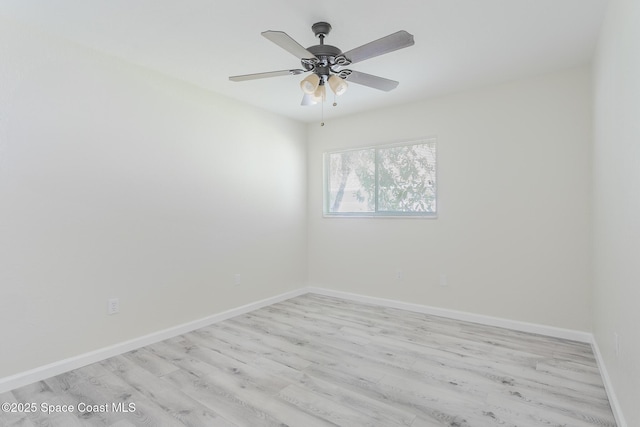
(459,44)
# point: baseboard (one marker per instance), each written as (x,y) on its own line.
(62,366)
(534,328)
(611,394)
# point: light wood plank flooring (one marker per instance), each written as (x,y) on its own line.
(321,361)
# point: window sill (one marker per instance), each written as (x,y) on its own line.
(364,215)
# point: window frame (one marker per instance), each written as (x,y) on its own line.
(326,164)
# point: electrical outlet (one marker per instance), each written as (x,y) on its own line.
(113,306)
(236,279)
(399,274)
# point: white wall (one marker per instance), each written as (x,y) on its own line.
(513,229)
(616,202)
(115,181)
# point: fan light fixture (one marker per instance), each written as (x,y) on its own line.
(314,85)
(320,94)
(310,84)
(337,85)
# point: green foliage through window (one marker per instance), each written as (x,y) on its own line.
(396,180)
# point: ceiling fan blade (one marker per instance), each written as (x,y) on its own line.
(372,81)
(387,44)
(283,40)
(265,75)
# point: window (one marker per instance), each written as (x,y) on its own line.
(391,180)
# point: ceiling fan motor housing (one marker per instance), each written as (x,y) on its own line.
(328,59)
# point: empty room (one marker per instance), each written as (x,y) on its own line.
(297,213)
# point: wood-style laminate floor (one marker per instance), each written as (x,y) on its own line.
(321,361)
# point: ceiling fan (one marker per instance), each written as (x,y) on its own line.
(327,63)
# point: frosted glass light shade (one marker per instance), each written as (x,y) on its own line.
(308,100)
(338,85)
(320,94)
(310,83)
